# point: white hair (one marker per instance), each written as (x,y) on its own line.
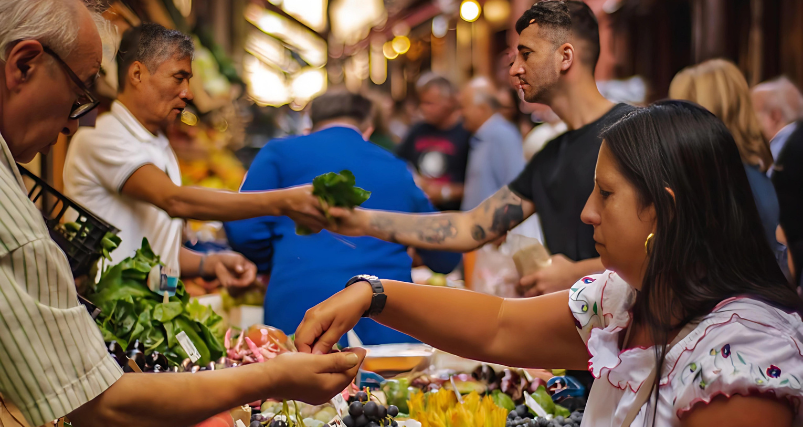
(52,22)
(783,95)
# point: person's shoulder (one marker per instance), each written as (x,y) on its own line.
(744,346)
(599,300)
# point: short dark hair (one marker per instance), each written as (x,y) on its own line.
(340,104)
(563,18)
(150,44)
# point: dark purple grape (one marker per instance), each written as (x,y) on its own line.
(278,423)
(349,421)
(382,411)
(355,409)
(393,423)
(393,411)
(373,424)
(361,421)
(362,396)
(371,410)
(256,424)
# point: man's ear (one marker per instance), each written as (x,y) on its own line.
(23,60)
(136,72)
(566,52)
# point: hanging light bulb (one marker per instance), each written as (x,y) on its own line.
(401,44)
(470,10)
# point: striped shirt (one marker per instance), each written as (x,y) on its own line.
(52,356)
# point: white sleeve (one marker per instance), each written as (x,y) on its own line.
(599,300)
(109,159)
(738,357)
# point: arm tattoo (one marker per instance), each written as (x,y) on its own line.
(427,228)
(478,233)
(506,217)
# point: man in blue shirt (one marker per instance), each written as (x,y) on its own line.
(306,270)
(497,154)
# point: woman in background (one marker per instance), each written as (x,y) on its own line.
(720,87)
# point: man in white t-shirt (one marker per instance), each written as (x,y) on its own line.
(125,171)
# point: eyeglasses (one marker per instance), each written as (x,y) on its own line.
(86,102)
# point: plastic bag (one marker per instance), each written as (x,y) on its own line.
(494,273)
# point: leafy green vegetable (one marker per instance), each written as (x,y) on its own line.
(336,189)
(130,311)
(502,400)
(560,411)
(544,399)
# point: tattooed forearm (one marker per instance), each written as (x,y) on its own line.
(414,229)
(454,231)
(478,233)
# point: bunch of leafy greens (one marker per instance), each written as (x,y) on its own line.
(338,190)
(131,311)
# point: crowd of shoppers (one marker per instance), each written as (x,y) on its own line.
(671,227)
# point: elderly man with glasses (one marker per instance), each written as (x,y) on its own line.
(53,361)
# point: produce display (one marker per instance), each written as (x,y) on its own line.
(130,311)
(364,412)
(257,344)
(442,409)
(522,416)
(336,189)
(292,414)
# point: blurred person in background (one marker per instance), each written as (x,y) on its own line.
(55,362)
(720,87)
(557,53)
(495,158)
(550,127)
(125,171)
(438,146)
(382,111)
(779,106)
(305,270)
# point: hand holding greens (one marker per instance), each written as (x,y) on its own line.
(335,190)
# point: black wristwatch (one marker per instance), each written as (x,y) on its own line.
(378,299)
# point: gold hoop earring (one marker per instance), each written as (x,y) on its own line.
(647,243)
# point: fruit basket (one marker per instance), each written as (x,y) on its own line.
(83,241)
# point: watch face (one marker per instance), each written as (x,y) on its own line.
(368,277)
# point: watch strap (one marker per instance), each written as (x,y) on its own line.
(378,299)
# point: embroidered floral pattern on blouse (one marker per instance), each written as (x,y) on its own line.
(583,309)
(696,372)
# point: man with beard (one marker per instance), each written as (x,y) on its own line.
(125,171)
(557,53)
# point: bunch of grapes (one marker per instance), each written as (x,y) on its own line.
(522,417)
(367,413)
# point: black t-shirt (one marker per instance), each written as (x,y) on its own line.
(559,179)
(440,155)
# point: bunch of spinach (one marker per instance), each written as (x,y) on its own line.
(131,311)
(338,190)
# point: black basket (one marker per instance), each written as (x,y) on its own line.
(83,248)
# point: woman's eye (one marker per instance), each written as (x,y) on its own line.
(604,193)
(525,55)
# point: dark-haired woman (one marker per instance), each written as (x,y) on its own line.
(693,292)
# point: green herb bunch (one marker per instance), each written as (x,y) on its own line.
(130,311)
(335,190)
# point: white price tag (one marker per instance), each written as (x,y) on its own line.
(239,423)
(337,422)
(340,405)
(188,346)
(532,404)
